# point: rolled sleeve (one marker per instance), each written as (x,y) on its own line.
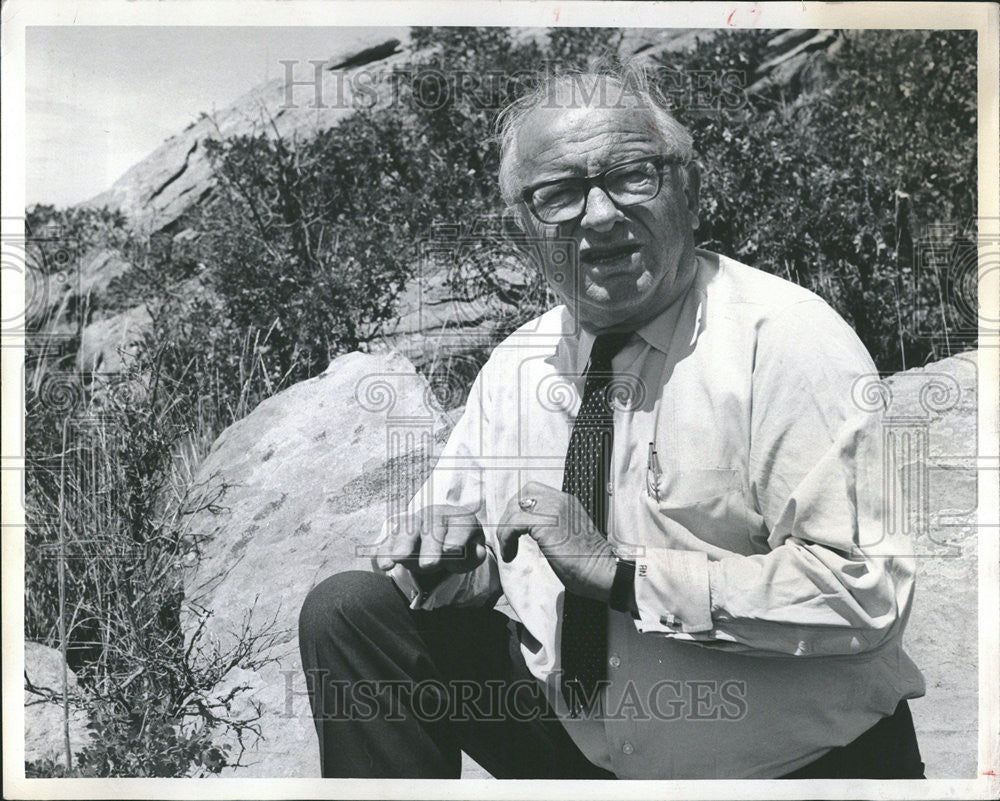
(672,592)
(835,580)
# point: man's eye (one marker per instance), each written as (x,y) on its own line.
(557,196)
(631,179)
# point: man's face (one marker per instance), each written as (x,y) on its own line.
(631,262)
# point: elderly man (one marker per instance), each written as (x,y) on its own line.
(669,480)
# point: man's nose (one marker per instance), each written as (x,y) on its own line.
(601,213)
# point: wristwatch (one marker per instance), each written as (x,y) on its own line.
(623,587)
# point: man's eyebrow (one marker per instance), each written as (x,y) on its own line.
(577,172)
(561,171)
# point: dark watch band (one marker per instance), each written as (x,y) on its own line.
(623,586)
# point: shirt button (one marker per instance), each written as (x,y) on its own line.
(614,661)
(627,747)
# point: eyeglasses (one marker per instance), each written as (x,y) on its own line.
(627,184)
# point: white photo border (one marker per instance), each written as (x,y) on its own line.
(17,15)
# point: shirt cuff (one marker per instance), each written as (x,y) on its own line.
(672,591)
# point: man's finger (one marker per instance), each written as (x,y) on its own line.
(464,550)
(432,540)
(382,558)
(401,544)
(508,542)
(459,550)
(510,530)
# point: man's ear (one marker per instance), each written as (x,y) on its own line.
(692,186)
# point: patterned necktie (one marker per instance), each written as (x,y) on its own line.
(588,467)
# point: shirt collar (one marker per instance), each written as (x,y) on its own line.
(658,332)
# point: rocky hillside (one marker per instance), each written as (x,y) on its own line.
(159,192)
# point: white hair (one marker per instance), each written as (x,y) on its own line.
(630,80)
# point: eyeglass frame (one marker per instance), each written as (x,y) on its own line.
(590,181)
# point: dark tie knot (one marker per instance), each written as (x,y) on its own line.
(606,347)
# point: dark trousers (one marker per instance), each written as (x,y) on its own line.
(888,750)
(398,693)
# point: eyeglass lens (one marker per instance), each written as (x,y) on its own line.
(625,185)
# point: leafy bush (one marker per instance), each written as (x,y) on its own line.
(300,252)
(831,185)
(312,241)
(152,748)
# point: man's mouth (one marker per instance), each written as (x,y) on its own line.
(598,256)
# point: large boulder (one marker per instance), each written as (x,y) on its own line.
(44,734)
(933,411)
(307,480)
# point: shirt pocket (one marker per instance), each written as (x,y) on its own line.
(702,508)
(692,487)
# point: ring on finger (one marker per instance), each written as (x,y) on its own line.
(527,504)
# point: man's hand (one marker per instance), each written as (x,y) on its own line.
(432,543)
(578,553)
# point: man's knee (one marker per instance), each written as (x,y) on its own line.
(344,600)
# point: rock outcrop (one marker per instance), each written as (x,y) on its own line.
(313,471)
(43,709)
(177,175)
(104,344)
(64,294)
(310,475)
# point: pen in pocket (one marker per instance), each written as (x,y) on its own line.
(653,473)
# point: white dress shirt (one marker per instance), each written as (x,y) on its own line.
(771,600)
